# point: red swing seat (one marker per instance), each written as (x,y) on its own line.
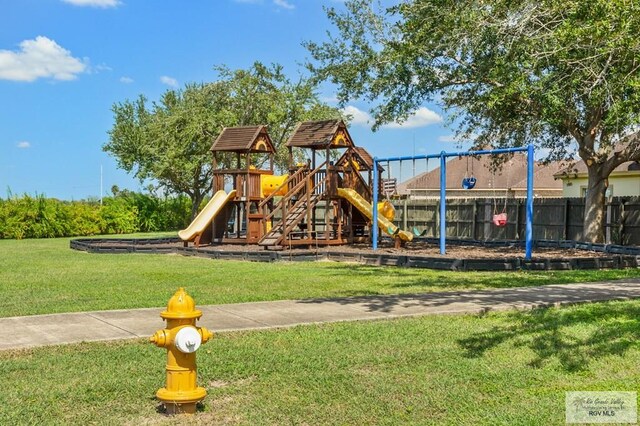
(500,219)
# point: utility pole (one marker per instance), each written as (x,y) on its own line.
(100,184)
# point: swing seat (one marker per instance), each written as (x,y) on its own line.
(417,233)
(500,219)
(468,182)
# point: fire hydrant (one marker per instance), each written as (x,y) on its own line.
(182,339)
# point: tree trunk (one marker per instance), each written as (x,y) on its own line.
(594,207)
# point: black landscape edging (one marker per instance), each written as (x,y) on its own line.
(617,256)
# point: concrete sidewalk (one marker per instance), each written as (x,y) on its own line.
(41,330)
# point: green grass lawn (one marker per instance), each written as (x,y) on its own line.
(46,276)
(501,368)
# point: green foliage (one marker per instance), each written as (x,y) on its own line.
(562,74)
(548,72)
(126,212)
(119,216)
(264,95)
(33,217)
(85,218)
(168,141)
(155,214)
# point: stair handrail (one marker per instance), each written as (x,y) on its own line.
(293,191)
(287,229)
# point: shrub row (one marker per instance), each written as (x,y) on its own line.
(126,212)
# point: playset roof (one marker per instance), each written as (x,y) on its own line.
(244,139)
(362,157)
(320,135)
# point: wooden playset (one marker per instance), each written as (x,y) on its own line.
(321,202)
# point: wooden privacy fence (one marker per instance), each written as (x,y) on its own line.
(553,218)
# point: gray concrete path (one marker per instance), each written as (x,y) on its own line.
(41,330)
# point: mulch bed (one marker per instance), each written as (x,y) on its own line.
(424,253)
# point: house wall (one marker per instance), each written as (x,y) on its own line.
(627,185)
(571,187)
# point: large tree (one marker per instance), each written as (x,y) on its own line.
(562,74)
(168,141)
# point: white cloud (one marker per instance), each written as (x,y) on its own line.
(422,117)
(329,99)
(284,4)
(94,3)
(23,145)
(448,138)
(169,81)
(40,58)
(358,117)
(455,139)
(126,80)
(100,68)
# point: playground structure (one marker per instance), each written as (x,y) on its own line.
(323,204)
(319,203)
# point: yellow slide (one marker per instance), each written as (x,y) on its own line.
(207,214)
(365,208)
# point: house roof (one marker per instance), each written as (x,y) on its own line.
(320,134)
(244,139)
(512,175)
(580,168)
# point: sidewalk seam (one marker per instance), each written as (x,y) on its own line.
(243,317)
(112,325)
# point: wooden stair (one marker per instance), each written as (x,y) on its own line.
(297,213)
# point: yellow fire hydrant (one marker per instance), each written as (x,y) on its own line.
(182,339)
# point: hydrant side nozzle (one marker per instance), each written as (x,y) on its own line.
(159,338)
(205,333)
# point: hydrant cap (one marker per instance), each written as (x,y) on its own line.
(181,306)
(188,340)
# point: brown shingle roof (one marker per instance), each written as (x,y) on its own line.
(580,168)
(243,139)
(364,159)
(317,134)
(512,175)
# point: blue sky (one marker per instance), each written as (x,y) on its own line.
(63,63)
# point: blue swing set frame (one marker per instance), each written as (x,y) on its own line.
(443,191)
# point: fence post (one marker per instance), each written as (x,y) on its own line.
(623,221)
(607,221)
(474,219)
(517,233)
(404,213)
(565,226)
(486,221)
